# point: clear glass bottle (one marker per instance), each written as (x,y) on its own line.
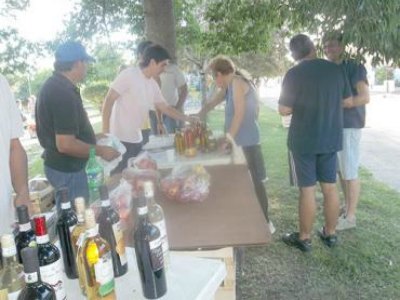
(11,276)
(77,239)
(156,217)
(97,262)
(95,176)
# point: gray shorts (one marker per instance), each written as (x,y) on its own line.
(349,157)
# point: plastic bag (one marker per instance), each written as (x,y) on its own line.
(143,161)
(186,184)
(115,143)
(136,178)
(121,201)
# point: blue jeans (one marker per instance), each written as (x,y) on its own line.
(76,182)
(170,123)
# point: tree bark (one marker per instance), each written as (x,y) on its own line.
(160,24)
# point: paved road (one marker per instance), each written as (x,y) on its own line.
(380,144)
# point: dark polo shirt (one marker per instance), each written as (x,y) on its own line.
(314,89)
(59,110)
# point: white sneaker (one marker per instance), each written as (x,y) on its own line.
(272,228)
(345,223)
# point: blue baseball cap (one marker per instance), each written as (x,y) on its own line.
(72,51)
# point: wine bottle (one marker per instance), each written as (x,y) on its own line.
(97,262)
(11,276)
(77,237)
(149,255)
(156,217)
(25,237)
(110,230)
(65,225)
(35,288)
(49,259)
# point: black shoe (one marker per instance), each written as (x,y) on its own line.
(292,239)
(329,240)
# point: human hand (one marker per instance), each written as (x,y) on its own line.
(24,199)
(100,136)
(193,119)
(107,153)
(348,103)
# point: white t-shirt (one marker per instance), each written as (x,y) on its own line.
(171,80)
(138,94)
(10,128)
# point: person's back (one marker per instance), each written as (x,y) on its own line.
(317,121)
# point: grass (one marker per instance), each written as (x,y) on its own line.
(366,264)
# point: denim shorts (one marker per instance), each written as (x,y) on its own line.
(307,169)
(349,157)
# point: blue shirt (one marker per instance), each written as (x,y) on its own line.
(249,133)
(315,90)
(354,117)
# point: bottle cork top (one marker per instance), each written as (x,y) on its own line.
(80,205)
(148,189)
(23,215)
(30,259)
(7,241)
(90,219)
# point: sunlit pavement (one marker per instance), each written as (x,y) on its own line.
(380,144)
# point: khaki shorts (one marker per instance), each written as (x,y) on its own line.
(349,157)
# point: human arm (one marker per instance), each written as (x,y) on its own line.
(361,98)
(218,97)
(19,173)
(240,88)
(288,94)
(70,145)
(182,94)
(108,104)
(173,112)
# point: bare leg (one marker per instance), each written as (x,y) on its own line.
(331,207)
(307,209)
(352,193)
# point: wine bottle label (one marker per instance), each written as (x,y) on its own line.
(53,275)
(156,254)
(42,239)
(142,210)
(9,251)
(119,240)
(71,228)
(31,277)
(104,273)
(163,235)
(14,295)
(25,227)
(65,205)
(81,239)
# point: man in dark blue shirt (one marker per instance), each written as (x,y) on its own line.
(353,122)
(313,92)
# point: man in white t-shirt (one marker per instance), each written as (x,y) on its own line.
(174,90)
(130,97)
(13,160)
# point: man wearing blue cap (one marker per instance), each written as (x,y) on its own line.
(63,127)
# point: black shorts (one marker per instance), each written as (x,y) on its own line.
(307,169)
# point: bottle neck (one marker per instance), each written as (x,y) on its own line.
(9,260)
(65,205)
(142,211)
(25,227)
(42,239)
(92,232)
(80,217)
(32,278)
(150,200)
(105,203)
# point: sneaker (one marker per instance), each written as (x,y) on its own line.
(292,239)
(271,227)
(329,240)
(345,223)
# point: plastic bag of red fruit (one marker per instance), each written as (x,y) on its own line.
(186,184)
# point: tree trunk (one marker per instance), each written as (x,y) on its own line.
(160,24)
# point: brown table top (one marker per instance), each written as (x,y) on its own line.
(230,216)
